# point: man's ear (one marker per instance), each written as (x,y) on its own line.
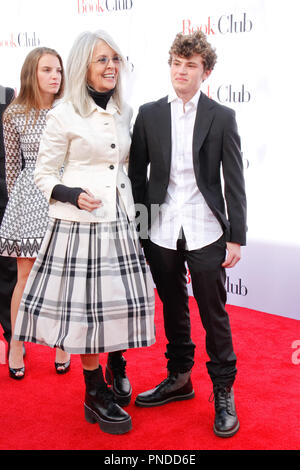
(206,74)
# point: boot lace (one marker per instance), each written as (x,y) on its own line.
(222,398)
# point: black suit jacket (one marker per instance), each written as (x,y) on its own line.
(6,96)
(216,147)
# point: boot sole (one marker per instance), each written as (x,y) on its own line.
(168,400)
(107,426)
(122,400)
(229,433)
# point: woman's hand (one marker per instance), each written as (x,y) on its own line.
(86,201)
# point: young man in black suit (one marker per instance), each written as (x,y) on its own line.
(187,139)
(8,266)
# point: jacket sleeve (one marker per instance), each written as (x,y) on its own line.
(13,155)
(138,161)
(52,153)
(234,183)
(64,193)
(128,118)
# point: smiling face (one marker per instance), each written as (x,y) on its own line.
(103,70)
(187,74)
(49,75)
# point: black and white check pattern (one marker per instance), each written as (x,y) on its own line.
(26,216)
(90,289)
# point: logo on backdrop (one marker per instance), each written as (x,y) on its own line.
(23,39)
(101,6)
(235,288)
(296,354)
(228,94)
(225,24)
(130,64)
(246,162)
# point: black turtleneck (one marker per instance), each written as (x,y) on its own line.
(100,98)
(64,193)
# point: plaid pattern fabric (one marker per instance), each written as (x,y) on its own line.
(26,216)
(90,290)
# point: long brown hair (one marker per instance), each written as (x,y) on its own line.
(29,95)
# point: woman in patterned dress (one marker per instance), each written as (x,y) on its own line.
(26,216)
(90,290)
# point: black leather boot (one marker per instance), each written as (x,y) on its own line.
(226,422)
(100,405)
(177,386)
(115,376)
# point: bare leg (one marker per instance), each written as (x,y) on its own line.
(24,266)
(89,361)
(61,357)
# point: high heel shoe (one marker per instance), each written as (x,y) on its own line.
(62,367)
(13,373)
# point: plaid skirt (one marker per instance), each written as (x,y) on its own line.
(90,289)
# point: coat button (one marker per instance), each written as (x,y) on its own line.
(113,146)
(111,167)
(122,185)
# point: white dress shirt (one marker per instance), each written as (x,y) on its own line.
(184,206)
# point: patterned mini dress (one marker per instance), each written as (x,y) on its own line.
(25,219)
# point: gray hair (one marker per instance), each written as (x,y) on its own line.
(77,65)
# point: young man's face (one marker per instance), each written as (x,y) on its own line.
(187,74)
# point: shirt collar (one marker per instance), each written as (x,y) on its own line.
(194,101)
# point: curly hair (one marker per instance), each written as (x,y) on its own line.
(186,45)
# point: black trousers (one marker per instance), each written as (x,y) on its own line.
(208,281)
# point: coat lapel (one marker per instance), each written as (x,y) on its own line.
(204,117)
(163,128)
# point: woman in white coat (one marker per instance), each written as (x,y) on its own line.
(90,290)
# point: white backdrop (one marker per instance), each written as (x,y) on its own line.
(257,74)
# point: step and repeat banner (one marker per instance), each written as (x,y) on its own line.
(257,74)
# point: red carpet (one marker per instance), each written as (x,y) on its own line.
(45,411)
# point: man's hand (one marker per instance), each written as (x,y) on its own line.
(233,255)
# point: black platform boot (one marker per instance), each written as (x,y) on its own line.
(100,405)
(226,422)
(115,376)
